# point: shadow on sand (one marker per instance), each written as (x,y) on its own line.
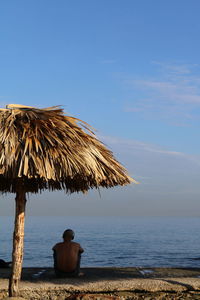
(101,274)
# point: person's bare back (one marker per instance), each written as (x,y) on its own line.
(67,254)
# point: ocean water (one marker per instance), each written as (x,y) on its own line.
(110,241)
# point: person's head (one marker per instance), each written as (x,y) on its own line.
(68,235)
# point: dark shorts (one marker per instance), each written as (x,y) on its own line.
(61,274)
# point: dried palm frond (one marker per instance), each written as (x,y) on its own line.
(44,149)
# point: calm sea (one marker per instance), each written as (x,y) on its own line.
(115,241)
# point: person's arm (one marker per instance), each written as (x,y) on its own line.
(81,250)
(54,257)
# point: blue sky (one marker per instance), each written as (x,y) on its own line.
(129,68)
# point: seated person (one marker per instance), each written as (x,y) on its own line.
(67,256)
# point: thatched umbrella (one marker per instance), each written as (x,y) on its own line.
(44,149)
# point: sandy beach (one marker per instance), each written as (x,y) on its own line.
(108,283)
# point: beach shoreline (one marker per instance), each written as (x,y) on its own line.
(108,283)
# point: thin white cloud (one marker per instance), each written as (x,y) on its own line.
(134,145)
(173,94)
(180,69)
(157,170)
(137,145)
(181,91)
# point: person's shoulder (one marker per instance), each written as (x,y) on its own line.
(78,247)
(57,246)
(76,244)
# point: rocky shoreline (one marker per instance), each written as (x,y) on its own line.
(108,283)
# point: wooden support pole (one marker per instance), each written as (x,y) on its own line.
(18,243)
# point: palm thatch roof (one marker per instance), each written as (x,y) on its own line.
(45,149)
